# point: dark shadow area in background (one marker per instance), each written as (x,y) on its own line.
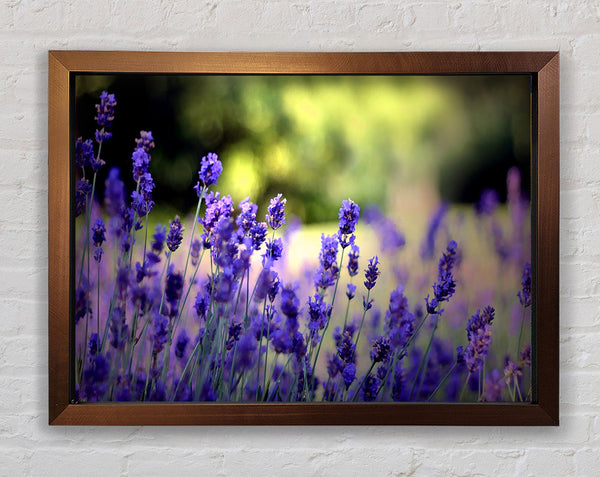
(192,115)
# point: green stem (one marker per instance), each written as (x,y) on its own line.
(424,363)
(462,391)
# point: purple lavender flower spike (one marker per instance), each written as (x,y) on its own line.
(210,170)
(353,260)
(141,162)
(380,352)
(371,273)
(488,203)
(175,234)
(399,321)
(258,233)
(428,244)
(105,114)
(351,290)
(274,250)
(247,217)
(276,212)
(390,237)
(348,216)
(114,193)
(525,293)
(349,374)
(181,344)
(84,152)
(145,141)
(369,389)
(445,286)
(479,335)
(82,191)
(98,233)
(160,327)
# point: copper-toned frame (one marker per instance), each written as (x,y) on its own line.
(545,187)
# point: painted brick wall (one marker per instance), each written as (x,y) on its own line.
(29,28)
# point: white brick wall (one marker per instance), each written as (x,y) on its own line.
(29,28)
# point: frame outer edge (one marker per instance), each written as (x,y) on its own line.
(62,63)
(58,237)
(548,239)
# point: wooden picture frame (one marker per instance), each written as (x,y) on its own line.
(543,410)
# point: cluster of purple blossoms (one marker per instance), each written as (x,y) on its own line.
(399,321)
(380,352)
(105,115)
(84,152)
(82,190)
(319,313)
(175,236)
(217,207)
(445,286)
(276,212)
(145,141)
(390,238)
(353,257)
(479,336)
(328,270)
(525,293)
(488,203)
(428,245)
(371,273)
(210,170)
(348,216)
(98,237)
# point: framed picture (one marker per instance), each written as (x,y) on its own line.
(303,238)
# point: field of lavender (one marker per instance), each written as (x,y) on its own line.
(237,304)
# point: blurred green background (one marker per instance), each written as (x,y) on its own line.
(385,140)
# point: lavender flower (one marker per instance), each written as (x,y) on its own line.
(105,114)
(488,203)
(525,293)
(98,233)
(390,238)
(380,352)
(368,391)
(328,270)
(348,216)
(371,273)
(175,236)
(145,141)
(444,287)
(512,372)
(349,374)
(217,207)
(173,289)
(319,312)
(82,191)
(141,163)
(351,289)
(114,193)
(181,344)
(159,333)
(84,152)
(210,170)
(247,217)
(258,233)
(276,212)
(274,250)
(479,334)
(353,260)
(428,245)
(399,321)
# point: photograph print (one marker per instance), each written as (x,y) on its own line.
(302,238)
